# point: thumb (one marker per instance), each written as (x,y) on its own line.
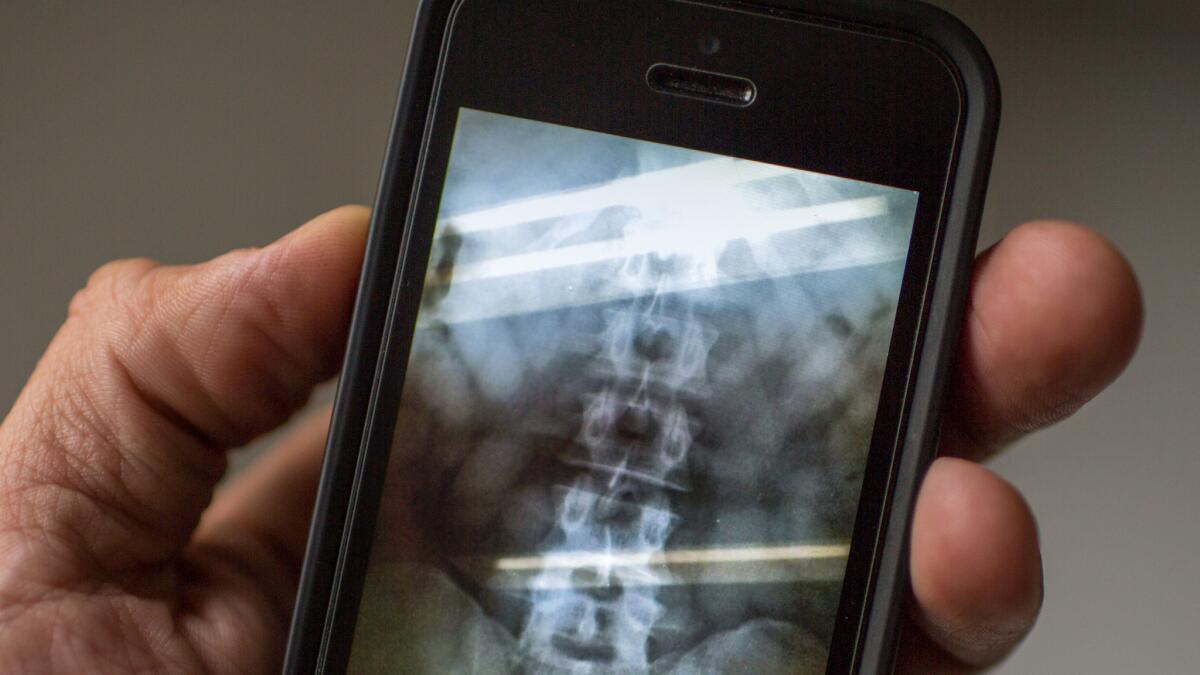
(112,450)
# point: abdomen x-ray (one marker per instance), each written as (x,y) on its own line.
(636,413)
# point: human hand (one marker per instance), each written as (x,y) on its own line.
(117,558)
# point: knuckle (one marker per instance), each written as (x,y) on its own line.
(111,285)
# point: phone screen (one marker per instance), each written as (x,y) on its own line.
(636,412)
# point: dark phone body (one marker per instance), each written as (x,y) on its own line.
(892,93)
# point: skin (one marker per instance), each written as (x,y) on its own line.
(117,557)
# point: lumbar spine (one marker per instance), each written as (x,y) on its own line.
(593,605)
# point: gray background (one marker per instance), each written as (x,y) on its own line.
(180,130)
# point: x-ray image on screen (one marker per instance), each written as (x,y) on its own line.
(636,413)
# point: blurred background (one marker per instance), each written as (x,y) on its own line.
(178,131)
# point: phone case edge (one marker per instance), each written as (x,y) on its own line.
(327,527)
(943,322)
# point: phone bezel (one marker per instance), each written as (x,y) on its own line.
(904,140)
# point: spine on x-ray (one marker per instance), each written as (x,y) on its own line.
(630,454)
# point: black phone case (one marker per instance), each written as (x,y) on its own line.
(941,322)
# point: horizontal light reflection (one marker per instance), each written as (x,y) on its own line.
(699,176)
(695,236)
(678,557)
(805,563)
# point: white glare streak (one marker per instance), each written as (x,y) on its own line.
(678,557)
(699,176)
(693,236)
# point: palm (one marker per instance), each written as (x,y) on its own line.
(219,622)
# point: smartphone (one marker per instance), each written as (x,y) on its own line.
(645,371)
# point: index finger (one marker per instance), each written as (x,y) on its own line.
(1054,316)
